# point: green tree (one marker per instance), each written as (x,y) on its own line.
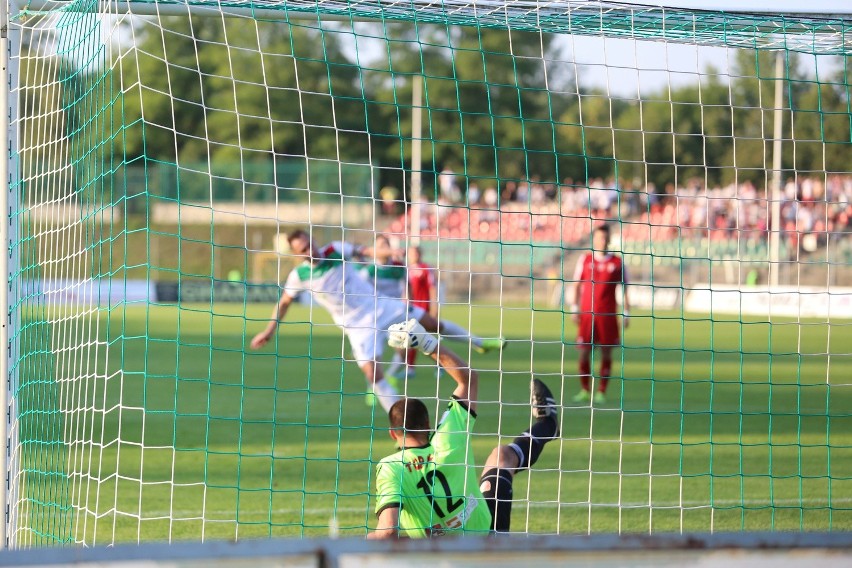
(210,91)
(491,100)
(687,133)
(821,116)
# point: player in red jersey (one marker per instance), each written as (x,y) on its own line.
(598,275)
(421,283)
(422,293)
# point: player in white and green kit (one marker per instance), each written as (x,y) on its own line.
(331,276)
(429,487)
(389,277)
(386,273)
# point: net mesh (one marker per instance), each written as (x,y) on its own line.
(159,158)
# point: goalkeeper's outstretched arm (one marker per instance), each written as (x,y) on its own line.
(279,312)
(466,378)
(411,335)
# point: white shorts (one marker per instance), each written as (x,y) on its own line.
(368,344)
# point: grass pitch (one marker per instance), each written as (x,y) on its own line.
(710,425)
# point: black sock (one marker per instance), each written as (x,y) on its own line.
(496,486)
(530,444)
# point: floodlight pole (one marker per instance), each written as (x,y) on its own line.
(416,156)
(775,201)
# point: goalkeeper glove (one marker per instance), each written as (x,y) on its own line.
(411,335)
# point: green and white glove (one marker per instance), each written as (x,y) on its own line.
(411,335)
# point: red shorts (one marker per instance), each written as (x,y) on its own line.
(598,329)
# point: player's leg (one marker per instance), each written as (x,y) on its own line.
(397,365)
(446,328)
(606,367)
(411,355)
(383,390)
(410,360)
(456,332)
(496,485)
(584,358)
(524,451)
(367,347)
(584,364)
(607,331)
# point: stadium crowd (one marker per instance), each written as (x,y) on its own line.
(563,213)
(809,206)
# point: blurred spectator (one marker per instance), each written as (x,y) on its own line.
(510,191)
(602,195)
(390,200)
(489,213)
(791,190)
(473,195)
(449,189)
(522,194)
(566,195)
(490,199)
(650,199)
(538,197)
(550,191)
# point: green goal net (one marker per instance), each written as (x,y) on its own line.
(161,152)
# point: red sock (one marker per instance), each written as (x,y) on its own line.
(585,375)
(411,356)
(606,370)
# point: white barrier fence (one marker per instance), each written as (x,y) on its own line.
(762,301)
(104,291)
(786,301)
(655,297)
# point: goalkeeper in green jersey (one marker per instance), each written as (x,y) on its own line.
(429,487)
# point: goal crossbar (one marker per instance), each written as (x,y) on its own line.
(825,33)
